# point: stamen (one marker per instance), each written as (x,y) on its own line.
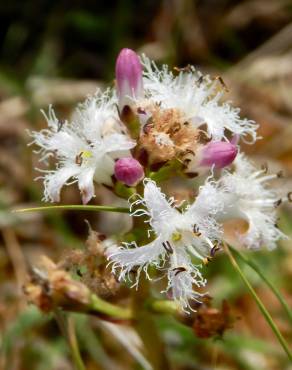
(188,69)
(84,154)
(178,270)
(215,249)
(223,84)
(200,81)
(61,122)
(277,203)
(166,245)
(196,231)
(79,159)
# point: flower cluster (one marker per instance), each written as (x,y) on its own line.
(163,124)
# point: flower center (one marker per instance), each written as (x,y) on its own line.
(176,236)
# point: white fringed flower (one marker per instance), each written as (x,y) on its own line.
(196,97)
(178,237)
(246,196)
(85,148)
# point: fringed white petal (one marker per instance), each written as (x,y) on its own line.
(246,195)
(196,98)
(182,277)
(85,184)
(161,212)
(118,142)
(130,257)
(55,180)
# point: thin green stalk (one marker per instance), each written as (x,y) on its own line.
(261,306)
(265,279)
(66,325)
(75,207)
(75,351)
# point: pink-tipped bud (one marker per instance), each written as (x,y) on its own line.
(129,171)
(128,77)
(218,153)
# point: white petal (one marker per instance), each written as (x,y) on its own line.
(262,230)
(118,142)
(85,184)
(127,258)
(162,213)
(137,256)
(54,181)
(104,170)
(182,276)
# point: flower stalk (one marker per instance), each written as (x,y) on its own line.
(259,303)
(67,327)
(254,266)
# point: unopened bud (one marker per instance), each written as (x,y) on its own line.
(129,171)
(128,77)
(218,153)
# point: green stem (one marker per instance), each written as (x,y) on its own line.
(165,307)
(265,279)
(66,325)
(74,345)
(261,306)
(99,306)
(75,207)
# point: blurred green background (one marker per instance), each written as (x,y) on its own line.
(57,52)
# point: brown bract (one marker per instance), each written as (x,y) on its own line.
(167,135)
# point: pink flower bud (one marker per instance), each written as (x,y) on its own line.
(129,171)
(129,77)
(218,153)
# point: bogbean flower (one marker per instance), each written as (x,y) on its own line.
(196,98)
(179,237)
(246,195)
(85,149)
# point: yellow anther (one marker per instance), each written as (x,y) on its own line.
(176,236)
